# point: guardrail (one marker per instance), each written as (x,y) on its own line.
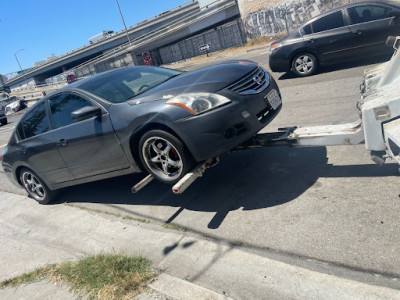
(38,88)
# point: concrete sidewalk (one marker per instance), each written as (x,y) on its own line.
(191,267)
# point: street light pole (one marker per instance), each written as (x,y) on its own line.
(123,21)
(15,54)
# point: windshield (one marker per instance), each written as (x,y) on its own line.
(124,84)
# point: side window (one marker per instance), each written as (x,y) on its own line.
(332,21)
(36,122)
(306,29)
(366,13)
(63,105)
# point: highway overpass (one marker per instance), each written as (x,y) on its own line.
(173,35)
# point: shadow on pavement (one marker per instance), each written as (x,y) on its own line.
(250,180)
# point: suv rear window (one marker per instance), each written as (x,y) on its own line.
(329,22)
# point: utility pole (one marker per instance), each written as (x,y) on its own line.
(22,72)
(123,21)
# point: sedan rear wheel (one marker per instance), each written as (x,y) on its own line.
(304,64)
(164,156)
(35,187)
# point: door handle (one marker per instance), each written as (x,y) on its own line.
(359,32)
(311,41)
(22,150)
(61,142)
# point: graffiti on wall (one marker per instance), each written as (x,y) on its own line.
(284,17)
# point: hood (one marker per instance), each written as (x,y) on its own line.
(209,79)
(15,104)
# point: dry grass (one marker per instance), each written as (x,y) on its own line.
(174,227)
(104,276)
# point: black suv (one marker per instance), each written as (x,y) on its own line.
(353,31)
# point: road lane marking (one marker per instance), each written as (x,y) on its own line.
(3,145)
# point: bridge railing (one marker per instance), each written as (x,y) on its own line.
(38,88)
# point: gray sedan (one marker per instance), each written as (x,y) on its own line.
(140,118)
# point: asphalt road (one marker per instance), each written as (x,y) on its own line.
(329,204)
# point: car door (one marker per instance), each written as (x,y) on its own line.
(330,38)
(371,25)
(89,147)
(37,149)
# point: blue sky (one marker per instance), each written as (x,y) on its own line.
(44,27)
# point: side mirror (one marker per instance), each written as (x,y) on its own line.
(86,113)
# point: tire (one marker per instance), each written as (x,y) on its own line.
(35,187)
(304,64)
(164,156)
(4,122)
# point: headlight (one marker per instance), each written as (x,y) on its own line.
(198,103)
(274,47)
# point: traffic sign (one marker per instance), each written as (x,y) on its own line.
(205,47)
(147,58)
(71,78)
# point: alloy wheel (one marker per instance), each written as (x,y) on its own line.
(33,186)
(304,64)
(162,158)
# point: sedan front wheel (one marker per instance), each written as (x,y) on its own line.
(164,156)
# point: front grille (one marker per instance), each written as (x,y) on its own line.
(253,83)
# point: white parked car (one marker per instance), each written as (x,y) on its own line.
(13,104)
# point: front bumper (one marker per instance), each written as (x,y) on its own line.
(278,62)
(218,131)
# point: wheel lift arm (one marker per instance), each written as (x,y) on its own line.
(326,135)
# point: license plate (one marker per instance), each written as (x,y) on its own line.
(273,99)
